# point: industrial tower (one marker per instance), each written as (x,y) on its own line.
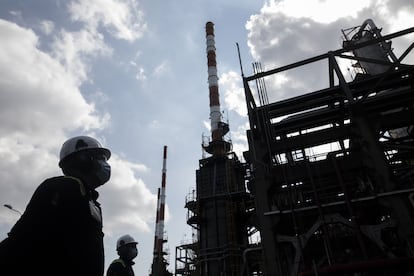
(333,170)
(217,211)
(159,263)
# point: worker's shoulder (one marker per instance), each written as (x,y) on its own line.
(117,267)
(118,261)
(61,183)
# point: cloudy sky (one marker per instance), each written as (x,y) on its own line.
(133,74)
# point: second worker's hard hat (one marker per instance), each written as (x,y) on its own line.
(125,239)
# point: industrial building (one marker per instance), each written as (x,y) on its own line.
(328,180)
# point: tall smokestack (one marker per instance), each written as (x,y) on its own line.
(215,113)
(157,219)
(159,226)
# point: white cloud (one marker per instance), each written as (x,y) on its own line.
(123,19)
(47,27)
(16,13)
(99,97)
(132,203)
(317,10)
(233,93)
(72,48)
(36,89)
(403,19)
(141,76)
(239,139)
(285,32)
(162,68)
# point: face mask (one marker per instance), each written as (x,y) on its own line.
(128,253)
(131,253)
(103,172)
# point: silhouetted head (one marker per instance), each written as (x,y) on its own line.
(85,158)
(126,247)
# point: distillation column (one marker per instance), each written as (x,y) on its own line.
(220,190)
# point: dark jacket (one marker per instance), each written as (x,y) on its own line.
(60,233)
(120,267)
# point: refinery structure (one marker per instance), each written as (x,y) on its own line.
(217,209)
(327,184)
(347,211)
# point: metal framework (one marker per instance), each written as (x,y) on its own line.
(185,259)
(347,211)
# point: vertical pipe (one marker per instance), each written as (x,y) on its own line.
(215,113)
(162,203)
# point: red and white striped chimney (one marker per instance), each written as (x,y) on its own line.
(215,113)
(159,225)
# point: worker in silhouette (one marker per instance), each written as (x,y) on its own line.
(126,248)
(60,233)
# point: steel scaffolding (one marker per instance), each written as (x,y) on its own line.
(332,171)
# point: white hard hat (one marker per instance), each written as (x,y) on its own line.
(125,239)
(81,143)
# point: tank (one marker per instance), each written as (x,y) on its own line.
(380,51)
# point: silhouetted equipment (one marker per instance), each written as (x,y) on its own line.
(330,173)
(159,263)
